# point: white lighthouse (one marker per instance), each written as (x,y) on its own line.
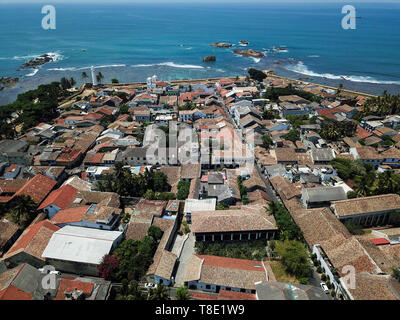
(94,80)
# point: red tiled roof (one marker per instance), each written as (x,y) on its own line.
(234,295)
(61,197)
(12,167)
(123,117)
(379,241)
(13,293)
(328,113)
(361,133)
(69,155)
(4,199)
(232,263)
(378,133)
(29,234)
(105,111)
(68,285)
(202,296)
(70,215)
(92,116)
(37,188)
(60,121)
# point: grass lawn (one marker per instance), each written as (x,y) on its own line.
(280,273)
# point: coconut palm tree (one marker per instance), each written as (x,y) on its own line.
(339,89)
(272,208)
(364,185)
(23,210)
(159,293)
(99,77)
(84,75)
(182,293)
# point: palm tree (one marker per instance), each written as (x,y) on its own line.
(159,293)
(182,293)
(339,89)
(84,75)
(99,77)
(72,82)
(23,210)
(364,185)
(272,208)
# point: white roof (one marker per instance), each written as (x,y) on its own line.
(80,244)
(199,205)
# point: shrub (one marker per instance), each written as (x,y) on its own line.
(257,74)
(323,277)
(329,284)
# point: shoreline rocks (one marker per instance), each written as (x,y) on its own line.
(221,45)
(209,59)
(243,42)
(8,82)
(249,53)
(44,58)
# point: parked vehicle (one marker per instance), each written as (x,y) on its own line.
(150,285)
(46,271)
(58,273)
(324,287)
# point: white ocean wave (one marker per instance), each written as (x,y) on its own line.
(256,60)
(55,56)
(64,69)
(169,64)
(109,66)
(313,56)
(87,68)
(34,71)
(300,67)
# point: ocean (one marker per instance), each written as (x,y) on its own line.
(131,42)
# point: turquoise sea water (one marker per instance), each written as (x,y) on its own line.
(133,41)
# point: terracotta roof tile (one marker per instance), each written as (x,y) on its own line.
(61,197)
(37,188)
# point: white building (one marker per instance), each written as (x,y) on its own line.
(198,205)
(80,250)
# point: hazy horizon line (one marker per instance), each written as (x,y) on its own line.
(193,1)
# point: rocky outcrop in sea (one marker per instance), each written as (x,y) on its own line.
(209,59)
(44,58)
(8,82)
(221,45)
(249,53)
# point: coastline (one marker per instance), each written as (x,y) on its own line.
(211,80)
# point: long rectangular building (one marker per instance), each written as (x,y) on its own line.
(246,223)
(368,211)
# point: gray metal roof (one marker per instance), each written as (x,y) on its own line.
(324,154)
(324,194)
(80,244)
(199,205)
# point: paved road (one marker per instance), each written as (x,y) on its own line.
(315,280)
(187,252)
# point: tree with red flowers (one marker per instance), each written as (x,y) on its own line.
(108,267)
